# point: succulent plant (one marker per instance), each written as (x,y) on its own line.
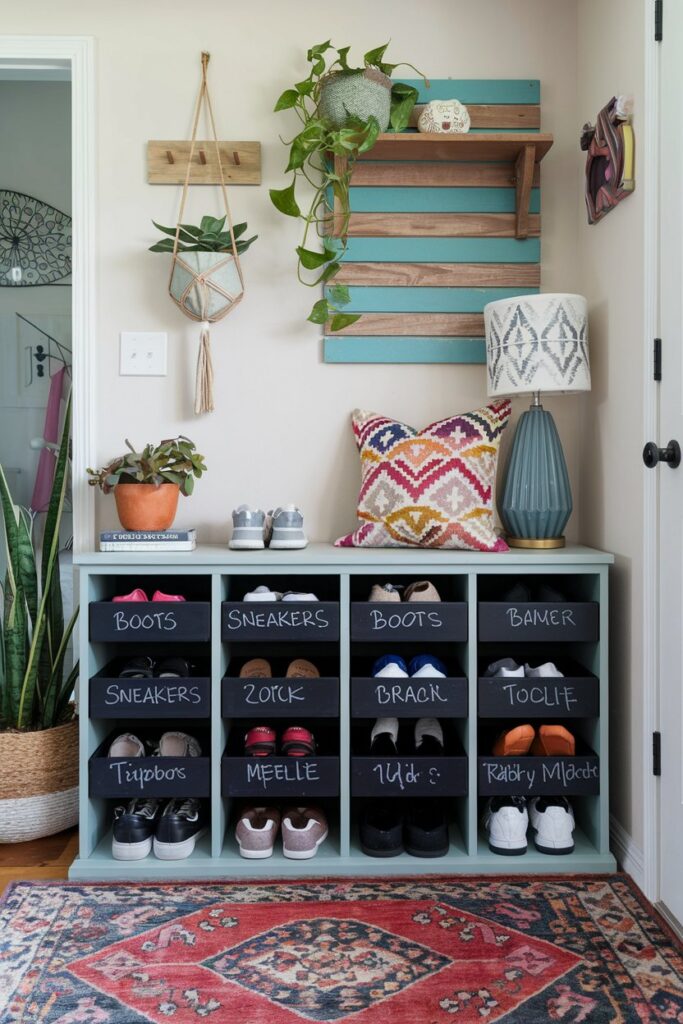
(175,461)
(209,236)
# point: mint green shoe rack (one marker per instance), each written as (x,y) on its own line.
(342,634)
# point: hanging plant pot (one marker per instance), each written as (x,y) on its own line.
(363,94)
(146,506)
(206,285)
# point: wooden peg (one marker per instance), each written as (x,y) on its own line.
(202,156)
(236,157)
(169,156)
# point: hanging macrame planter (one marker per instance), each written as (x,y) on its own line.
(206,286)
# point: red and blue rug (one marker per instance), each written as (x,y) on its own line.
(408,951)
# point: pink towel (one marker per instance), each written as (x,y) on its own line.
(46,465)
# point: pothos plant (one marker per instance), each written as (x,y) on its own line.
(312,154)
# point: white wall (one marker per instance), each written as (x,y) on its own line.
(610,257)
(282,430)
(35,158)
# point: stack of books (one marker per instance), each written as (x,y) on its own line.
(148,540)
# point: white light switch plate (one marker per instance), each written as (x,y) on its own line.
(143,354)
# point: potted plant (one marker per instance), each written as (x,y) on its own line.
(147,484)
(38,727)
(342,110)
(207,249)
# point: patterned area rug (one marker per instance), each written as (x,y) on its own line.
(408,951)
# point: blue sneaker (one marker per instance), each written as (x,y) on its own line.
(390,665)
(426,665)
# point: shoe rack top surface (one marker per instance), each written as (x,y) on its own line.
(323,555)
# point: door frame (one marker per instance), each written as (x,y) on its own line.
(79,53)
(650,165)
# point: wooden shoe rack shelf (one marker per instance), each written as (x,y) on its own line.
(343,633)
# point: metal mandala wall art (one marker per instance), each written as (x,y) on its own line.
(35,241)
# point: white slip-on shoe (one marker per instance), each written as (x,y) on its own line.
(546,670)
(262,593)
(506,821)
(504,667)
(552,820)
(295,595)
(428,737)
(384,737)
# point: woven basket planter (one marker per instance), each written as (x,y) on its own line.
(38,782)
(361,95)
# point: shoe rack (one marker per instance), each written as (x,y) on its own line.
(342,634)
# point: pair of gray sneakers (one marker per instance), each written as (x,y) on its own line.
(281,529)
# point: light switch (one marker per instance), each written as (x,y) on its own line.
(143,354)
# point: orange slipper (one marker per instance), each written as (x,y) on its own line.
(257,668)
(555,741)
(514,742)
(302,669)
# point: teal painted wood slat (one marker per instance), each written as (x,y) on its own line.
(391,199)
(404,350)
(426,300)
(478,90)
(441,250)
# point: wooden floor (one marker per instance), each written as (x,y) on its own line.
(39,859)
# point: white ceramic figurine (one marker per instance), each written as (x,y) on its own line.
(444,116)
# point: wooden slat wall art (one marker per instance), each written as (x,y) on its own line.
(430,243)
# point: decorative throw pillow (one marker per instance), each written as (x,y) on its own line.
(431,488)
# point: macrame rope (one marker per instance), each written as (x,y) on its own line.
(204,399)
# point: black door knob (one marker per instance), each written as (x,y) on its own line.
(671,454)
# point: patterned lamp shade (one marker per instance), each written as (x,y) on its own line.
(537,343)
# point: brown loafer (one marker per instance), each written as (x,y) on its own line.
(257,668)
(302,669)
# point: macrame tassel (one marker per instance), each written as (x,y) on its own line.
(203,395)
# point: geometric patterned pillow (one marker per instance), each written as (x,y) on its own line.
(431,488)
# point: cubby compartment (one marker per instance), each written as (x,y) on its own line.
(574,694)
(187,621)
(527,609)
(280,621)
(274,777)
(407,774)
(374,810)
(149,776)
(180,697)
(280,696)
(328,851)
(408,621)
(410,697)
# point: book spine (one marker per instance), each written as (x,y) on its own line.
(179,545)
(170,537)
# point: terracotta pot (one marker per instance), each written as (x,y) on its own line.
(39,782)
(146,506)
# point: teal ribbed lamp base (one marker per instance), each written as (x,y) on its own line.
(537,498)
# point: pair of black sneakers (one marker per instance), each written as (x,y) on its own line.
(171,828)
(387,831)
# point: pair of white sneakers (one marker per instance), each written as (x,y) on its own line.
(507,820)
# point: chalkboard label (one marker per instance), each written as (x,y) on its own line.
(408,776)
(417,620)
(295,620)
(408,698)
(534,776)
(280,698)
(150,621)
(266,777)
(149,776)
(149,698)
(568,697)
(533,620)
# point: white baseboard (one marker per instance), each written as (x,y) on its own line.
(629,856)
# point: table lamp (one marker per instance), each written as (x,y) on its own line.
(537,343)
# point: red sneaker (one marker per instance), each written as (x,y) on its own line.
(135,595)
(297,742)
(260,741)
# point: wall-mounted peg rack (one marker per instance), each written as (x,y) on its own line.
(167,163)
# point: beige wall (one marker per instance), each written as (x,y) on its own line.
(281,432)
(610,257)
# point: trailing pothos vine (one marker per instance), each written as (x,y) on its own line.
(312,154)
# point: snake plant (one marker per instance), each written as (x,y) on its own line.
(35,691)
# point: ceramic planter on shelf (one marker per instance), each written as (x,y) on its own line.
(205,284)
(146,506)
(38,783)
(362,94)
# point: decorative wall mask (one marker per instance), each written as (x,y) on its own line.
(610,146)
(448,117)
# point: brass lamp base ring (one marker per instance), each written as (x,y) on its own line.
(534,542)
